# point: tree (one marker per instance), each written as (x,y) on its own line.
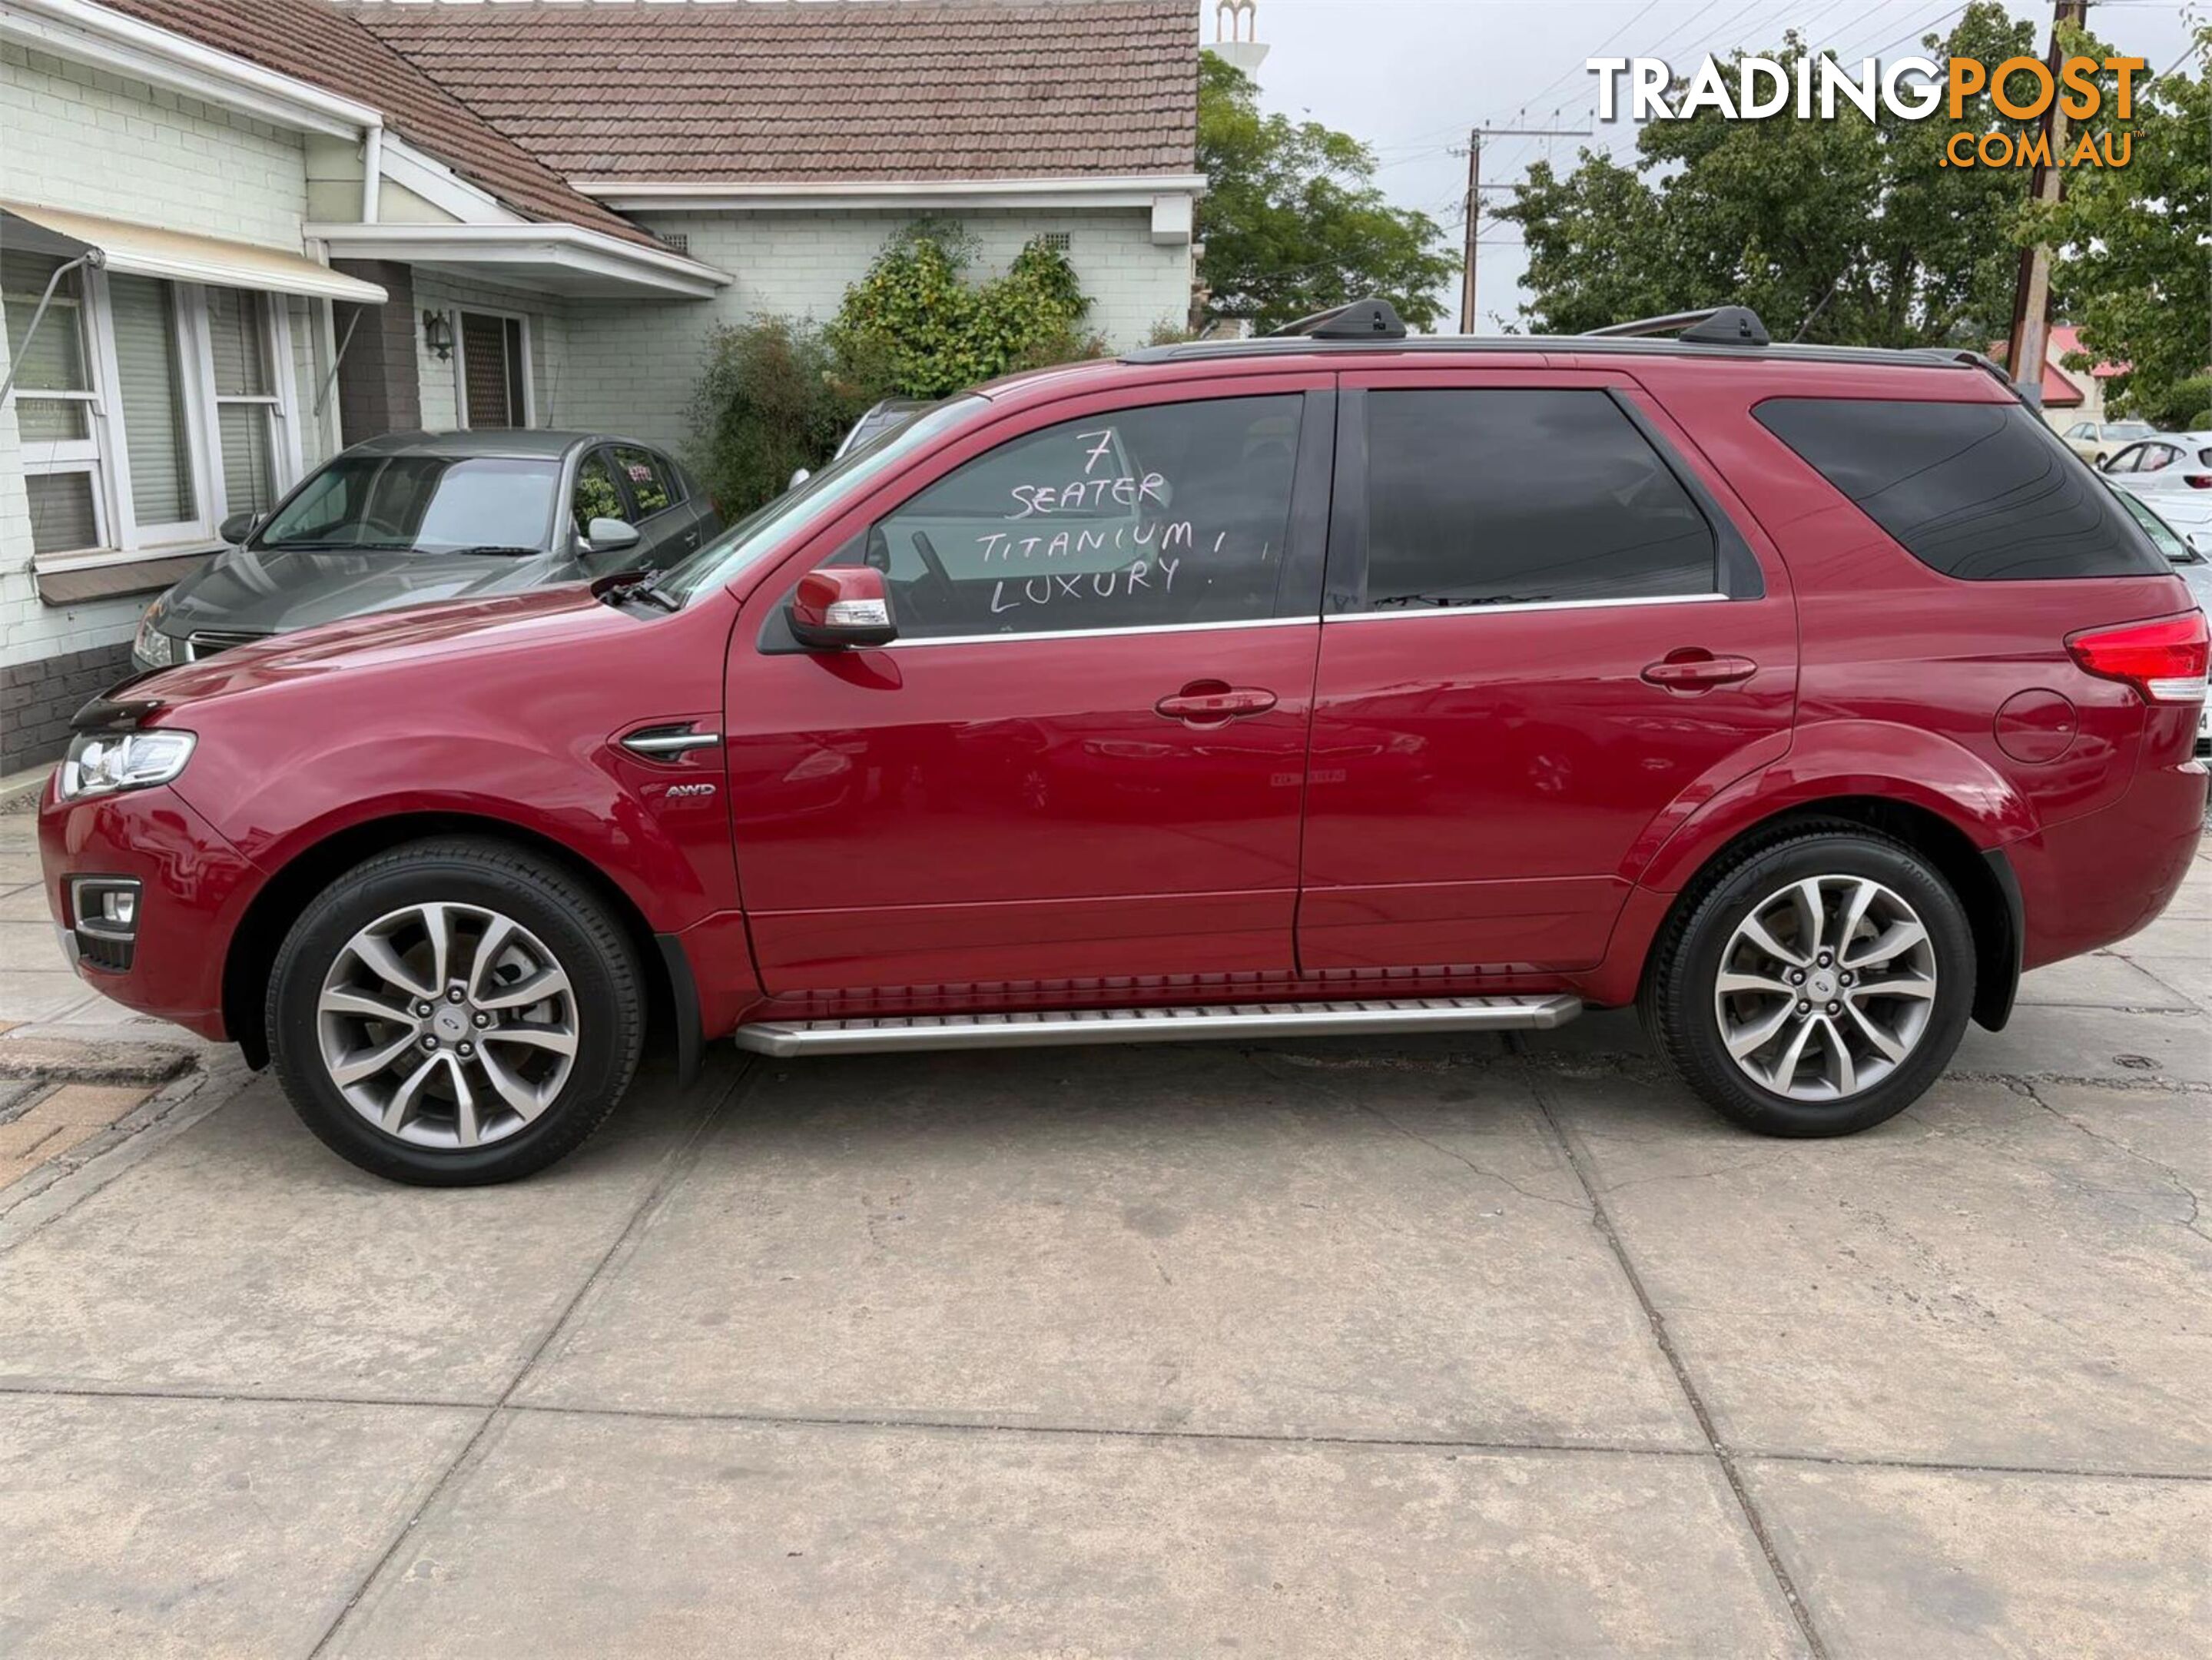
(2132,264)
(1293,222)
(1848,231)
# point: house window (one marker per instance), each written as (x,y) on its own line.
(56,412)
(148,410)
(246,400)
(494,370)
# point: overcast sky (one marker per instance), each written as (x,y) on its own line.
(1410,77)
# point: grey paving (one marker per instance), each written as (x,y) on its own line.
(1214,1242)
(145,1526)
(773,1541)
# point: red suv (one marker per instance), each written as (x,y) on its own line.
(1340,682)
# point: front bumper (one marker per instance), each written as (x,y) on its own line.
(192,887)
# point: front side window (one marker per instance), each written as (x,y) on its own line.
(1982,492)
(1145,518)
(598,495)
(1494,496)
(421,504)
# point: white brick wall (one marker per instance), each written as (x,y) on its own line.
(632,367)
(75,137)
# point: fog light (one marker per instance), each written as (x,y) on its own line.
(105,910)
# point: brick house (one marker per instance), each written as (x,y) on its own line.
(273,228)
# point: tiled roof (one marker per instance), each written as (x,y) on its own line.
(314,41)
(821,91)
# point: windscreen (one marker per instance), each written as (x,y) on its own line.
(421,504)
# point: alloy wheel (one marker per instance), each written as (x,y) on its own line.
(1825,987)
(448,1026)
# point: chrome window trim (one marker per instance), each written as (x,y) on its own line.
(1524,605)
(1101,633)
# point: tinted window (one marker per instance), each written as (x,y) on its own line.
(650,484)
(1136,518)
(1481,497)
(597,495)
(1980,491)
(432,503)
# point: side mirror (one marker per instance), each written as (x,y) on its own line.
(611,536)
(798,478)
(843,605)
(2200,541)
(235,529)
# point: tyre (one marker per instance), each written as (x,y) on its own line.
(1814,985)
(454,1012)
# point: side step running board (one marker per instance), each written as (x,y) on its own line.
(1165,1025)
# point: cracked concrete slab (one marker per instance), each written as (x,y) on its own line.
(244,1257)
(1982,1280)
(1957,1564)
(1266,1243)
(148,1528)
(837,1539)
(2105,1045)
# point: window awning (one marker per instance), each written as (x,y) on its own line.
(149,251)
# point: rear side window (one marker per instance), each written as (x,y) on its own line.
(1983,492)
(650,485)
(1492,497)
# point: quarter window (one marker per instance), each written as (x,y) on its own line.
(1983,492)
(1490,497)
(1142,518)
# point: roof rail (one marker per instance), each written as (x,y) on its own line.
(2026,391)
(1373,319)
(1715,325)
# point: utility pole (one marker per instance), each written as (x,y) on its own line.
(1474,189)
(2030,341)
(1474,221)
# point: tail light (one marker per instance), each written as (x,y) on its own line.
(2164,660)
(2197,481)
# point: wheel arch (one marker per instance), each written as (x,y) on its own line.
(1982,878)
(269,917)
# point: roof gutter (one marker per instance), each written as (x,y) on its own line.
(553,242)
(707,195)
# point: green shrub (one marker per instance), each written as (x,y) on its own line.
(2200,422)
(915,319)
(772,398)
(778,393)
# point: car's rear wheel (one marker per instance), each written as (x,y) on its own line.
(455,1013)
(1816,985)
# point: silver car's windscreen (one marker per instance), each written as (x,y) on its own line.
(421,504)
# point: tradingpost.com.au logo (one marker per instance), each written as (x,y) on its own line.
(1911,88)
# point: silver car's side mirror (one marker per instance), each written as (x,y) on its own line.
(235,529)
(611,535)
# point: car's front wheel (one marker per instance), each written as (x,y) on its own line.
(1817,985)
(455,1011)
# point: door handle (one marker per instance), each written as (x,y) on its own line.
(1693,669)
(1214,703)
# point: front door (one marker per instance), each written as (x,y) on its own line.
(1545,629)
(1080,763)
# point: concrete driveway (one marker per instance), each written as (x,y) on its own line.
(1339,1349)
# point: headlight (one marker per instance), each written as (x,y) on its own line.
(152,646)
(102,763)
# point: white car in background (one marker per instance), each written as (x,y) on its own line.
(2172,472)
(2099,442)
(2192,555)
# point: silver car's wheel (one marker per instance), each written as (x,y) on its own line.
(448,1026)
(1826,988)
